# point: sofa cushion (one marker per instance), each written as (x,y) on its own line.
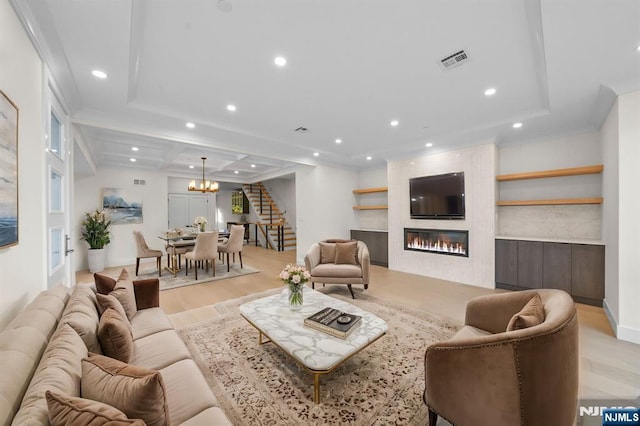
(346,253)
(104,283)
(336,271)
(327,252)
(70,410)
(149,321)
(108,301)
(530,315)
(115,336)
(210,416)
(137,392)
(81,314)
(125,294)
(187,391)
(59,371)
(159,350)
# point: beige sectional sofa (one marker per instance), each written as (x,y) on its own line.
(43,348)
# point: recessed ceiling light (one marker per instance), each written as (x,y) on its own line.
(99,74)
(191,166)
(236,172)
(190,125)
(280,61)
(428,144)
(369,157)
(338,140)
(517,125)
(133,160)
(134,148)
(638,48)
(315,154)
(231,107)
(394,123)
(490,91)
(253,166)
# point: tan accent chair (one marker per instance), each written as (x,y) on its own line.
(338,273)
(205,249)
(233,244)
(144,252)
(486,375)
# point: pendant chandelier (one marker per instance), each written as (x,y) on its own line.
(205,185)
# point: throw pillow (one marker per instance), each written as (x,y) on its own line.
(70,410)
(115,336)
(346,253)
(530,315)
(106,301)
(125,294)
(137,392)
(327,252)
(104,284)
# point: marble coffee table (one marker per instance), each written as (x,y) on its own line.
(318,352)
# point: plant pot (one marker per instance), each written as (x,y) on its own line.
(96,260)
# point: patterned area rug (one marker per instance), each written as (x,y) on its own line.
(168,281)
(261,385)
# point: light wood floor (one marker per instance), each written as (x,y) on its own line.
(609,368)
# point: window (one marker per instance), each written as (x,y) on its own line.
(55,141)
(55,191)
(55,249)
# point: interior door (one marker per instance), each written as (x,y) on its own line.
(199,206)
(178,211)
(58,207)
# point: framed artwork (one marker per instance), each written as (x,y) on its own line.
(8,172)
(124,207)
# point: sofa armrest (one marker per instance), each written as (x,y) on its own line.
(493,311)
(363,259)
(312,259)
(473,381)
(147,293)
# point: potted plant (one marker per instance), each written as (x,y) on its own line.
(95,231)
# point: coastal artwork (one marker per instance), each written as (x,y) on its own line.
(8,172)
(124,207)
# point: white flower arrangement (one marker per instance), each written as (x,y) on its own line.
(200,220)
(295,276)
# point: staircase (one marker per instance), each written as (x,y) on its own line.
(271,220)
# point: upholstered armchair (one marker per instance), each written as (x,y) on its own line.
(205,249)
(233,244)
(144,252)
(486,375)
(338,262)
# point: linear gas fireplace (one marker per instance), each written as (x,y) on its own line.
(442,241)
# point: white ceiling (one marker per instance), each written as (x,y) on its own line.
(353,66)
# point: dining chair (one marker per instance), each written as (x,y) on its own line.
(144,252)
(205,249)
(233,244)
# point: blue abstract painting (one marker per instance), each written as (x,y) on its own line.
(8,172)
(124,207)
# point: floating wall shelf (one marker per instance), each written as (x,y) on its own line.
(559,201)
(370,207)
(370,190)
(573,171)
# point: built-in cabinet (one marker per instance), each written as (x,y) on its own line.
(575,268)
(378,244)
(370,191)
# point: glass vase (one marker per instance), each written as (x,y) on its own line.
(295,296)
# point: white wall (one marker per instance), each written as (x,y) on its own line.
(323,205)
(572,222)
(629,213)
(88,197)
(610,222)
(479,166)
(21,74)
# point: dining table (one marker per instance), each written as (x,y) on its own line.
(181,240)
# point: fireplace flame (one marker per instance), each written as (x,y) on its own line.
(437,245)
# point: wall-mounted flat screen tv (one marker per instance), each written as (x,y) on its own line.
(437,197)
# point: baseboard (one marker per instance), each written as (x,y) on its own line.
(622,332)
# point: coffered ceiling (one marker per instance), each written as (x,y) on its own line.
(352,67)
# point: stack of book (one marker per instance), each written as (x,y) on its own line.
(334,322)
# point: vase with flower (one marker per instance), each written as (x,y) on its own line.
(200,222)
(294,277)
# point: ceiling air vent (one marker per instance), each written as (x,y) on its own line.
(454,60)
(139,182)
(301,130)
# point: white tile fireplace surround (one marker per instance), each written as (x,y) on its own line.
(479,166)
